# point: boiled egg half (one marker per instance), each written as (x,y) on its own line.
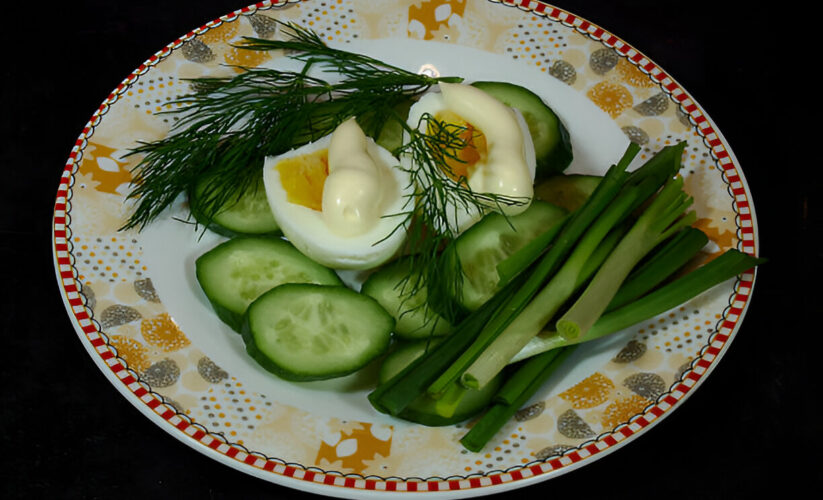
(339,199)
(497,155)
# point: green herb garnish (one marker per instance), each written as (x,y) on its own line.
(227,126)
(441,196)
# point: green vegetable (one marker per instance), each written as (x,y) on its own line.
(234,273)
(303,332)
(396,394)
(550,299)
(552,144)
(567,191)
(525,374)
(728,265)
(248,214)
(390,286)
(665,262)
(541,358)
(388,133)
(489,359)
(657,223)
(494,239)
(425,410)
(227,126)
(521,259)
(536,371)
(606,191)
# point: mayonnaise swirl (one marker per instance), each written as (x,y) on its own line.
(505,170)
(353,191)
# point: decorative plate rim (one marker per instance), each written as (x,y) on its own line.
(333,483)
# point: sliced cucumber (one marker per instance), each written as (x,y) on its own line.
(492,240)
(414,319)
(304,332)
(236,272)
(552,144)
(249,215)
(390,135)
(424,409)
(567,191)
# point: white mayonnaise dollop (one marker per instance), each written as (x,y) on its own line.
(505,170)
(353,196)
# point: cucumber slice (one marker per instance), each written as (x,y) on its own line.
(423,410)
(552,144)
(236,272)
(414,319)
(491,241)
(303,332)
(391,132)
(567,191)
(249,215)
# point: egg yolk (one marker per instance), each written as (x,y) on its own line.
(461,161)
(303,177)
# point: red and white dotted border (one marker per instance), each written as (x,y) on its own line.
(197,434)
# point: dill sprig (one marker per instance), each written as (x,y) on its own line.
(225,130)
(305,45)
(227,126)
(441,195)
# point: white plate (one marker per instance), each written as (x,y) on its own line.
(139,312)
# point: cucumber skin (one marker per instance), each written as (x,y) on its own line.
(559,153)
(389,276)
(263,360)
(217,228)
(228,316)
(553,214)
(228,233)
(568,191)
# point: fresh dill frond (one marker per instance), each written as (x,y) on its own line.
(227,126)
(305,45)
(440,197)
(225,131)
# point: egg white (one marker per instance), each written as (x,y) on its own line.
(308,232)
(461,217)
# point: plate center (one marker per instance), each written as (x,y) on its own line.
(170,247)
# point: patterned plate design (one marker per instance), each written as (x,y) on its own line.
(190,382)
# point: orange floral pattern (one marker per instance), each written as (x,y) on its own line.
(633,75)
(590,392)
(611,97)
(220,34)
(719,235)
(621,410)
(107,170)
(243,58)
(433,16)
(132,351)
(162,332)
(354,448)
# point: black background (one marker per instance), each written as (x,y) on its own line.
(752,427)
